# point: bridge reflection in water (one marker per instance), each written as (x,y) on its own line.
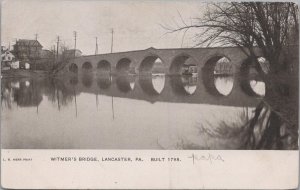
(217,90)
(126,111)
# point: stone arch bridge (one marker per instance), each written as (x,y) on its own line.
(142,61)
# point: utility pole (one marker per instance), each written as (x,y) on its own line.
(96,50)
(36,36)
(75,38)
(112,40)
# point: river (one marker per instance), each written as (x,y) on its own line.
(128,112)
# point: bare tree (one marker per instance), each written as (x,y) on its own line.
(268,25)
(64,55)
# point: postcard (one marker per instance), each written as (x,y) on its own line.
(149,94)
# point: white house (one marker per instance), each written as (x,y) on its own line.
(7,56)
(7,60)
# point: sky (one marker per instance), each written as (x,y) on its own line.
(136,24)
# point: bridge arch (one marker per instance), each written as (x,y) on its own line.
(251,81)
(148,63)
(219,64)
(104,66)
(180,61)
(123,65)
(217,75)
(73,68)
(249,65)
(87,66)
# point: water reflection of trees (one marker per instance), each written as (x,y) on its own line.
(24,93)
(57,92)
(30,92)
(265,129)
(268,130)
(6,95)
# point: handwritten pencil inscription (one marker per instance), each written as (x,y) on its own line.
(206,158)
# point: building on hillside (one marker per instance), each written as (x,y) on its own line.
(27,50)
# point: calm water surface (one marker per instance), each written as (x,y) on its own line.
(127,112)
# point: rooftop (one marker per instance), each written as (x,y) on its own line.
(26,42)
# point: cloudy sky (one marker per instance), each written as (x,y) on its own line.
(136,24)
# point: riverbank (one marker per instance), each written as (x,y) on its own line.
(24,73)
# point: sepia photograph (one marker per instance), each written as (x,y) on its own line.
(142,94)
(162,75)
